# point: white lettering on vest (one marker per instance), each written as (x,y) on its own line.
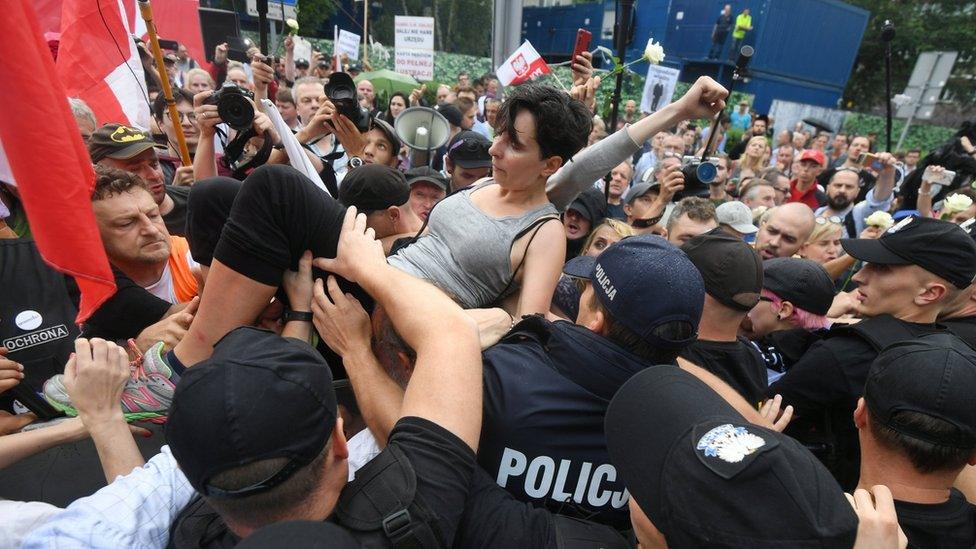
(39,337)
(540,478)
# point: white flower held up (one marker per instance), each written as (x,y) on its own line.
(292,26)
(956,203)
(880,219)
(654,52)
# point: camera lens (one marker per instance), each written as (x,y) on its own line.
(236,111)
(706,172)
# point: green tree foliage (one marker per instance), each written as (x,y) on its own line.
(921,137)
(312,13)
(933,25)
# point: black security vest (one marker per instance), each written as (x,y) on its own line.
(37,316)
(547,388)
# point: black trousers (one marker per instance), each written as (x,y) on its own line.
(260,227)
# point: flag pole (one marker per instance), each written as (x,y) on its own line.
(174,115)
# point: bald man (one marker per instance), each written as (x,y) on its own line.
(786,229)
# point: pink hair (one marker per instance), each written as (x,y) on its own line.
(801,318)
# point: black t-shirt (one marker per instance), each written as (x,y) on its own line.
(947,525)
(443,463)
(723,24)
(129,311)
(738,363)
(176,219)
(784,348)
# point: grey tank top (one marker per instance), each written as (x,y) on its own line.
(466,252)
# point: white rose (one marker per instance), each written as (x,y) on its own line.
(880,219)
(292,24)
(956,203)
(654,52)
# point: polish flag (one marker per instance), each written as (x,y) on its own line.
(524,65)
(41,148)
(98,62)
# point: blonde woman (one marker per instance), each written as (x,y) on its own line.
(565,300)
(824,242)
(754,159)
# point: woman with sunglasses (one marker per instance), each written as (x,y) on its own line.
(823,245)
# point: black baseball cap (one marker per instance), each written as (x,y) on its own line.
(705,477)
(301,63)
(644,282)
(934,375)
(259,396)
(731,268)
(306,534)
(591,204)
(373,187)
(469,150)
(802,282)
(426,174)
(118,141)
(451,113)
(939,247)
(391,134)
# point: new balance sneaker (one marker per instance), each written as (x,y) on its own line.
(147,396)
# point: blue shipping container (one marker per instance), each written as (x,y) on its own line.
(805,49)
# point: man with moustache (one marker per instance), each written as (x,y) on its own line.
(843,189)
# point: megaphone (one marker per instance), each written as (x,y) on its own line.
(422,129)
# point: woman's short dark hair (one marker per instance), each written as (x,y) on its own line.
(562,124)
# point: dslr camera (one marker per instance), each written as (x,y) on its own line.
(699,174)
(341,90)
(234,105)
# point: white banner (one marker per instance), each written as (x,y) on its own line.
(303,48)
(413,32)
(348,44)
(658,88)
(417,63)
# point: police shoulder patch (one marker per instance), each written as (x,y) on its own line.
(726,449)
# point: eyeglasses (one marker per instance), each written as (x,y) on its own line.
(831,219)
(766,299)
(190,116)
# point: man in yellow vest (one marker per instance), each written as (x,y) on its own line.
(743,24)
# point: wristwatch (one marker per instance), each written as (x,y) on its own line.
(301,316)
(355,162)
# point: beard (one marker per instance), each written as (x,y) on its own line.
(838,203)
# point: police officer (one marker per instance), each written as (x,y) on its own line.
(547,384)
(917,268)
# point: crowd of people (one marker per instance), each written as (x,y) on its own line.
(543,334)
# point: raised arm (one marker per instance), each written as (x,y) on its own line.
(446,384)
(705,99)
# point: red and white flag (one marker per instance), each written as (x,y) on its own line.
(98,62)
(41,145)
(524,65)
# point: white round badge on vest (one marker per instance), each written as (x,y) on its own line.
(28,320)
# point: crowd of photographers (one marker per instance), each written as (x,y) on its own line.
(539,333)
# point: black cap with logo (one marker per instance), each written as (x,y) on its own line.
(732,270)
(705,477)
(934,375)
(258,397)
(119,142)
(373,187)
(939,247)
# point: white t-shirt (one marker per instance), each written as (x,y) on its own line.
(362,449)
(163,288)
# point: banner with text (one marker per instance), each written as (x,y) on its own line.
(658,88)
(414,44)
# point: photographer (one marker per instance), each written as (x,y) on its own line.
(208,118)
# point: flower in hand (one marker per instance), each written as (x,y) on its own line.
(880,219)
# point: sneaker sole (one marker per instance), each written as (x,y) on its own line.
(128,416)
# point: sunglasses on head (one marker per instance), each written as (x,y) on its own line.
(824,220)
